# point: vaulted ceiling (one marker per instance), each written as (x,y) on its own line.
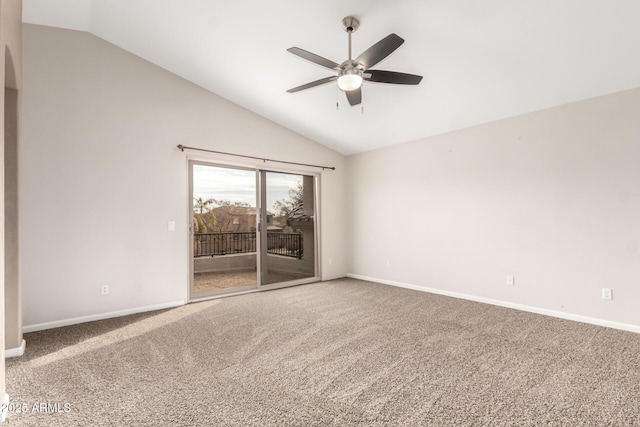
(481,60)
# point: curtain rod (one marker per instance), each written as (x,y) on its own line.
(182,148)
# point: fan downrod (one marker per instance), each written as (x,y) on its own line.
(350,24)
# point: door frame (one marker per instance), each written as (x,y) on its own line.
(199,160)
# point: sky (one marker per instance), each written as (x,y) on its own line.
(239,185)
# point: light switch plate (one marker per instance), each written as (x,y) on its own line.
(171,226)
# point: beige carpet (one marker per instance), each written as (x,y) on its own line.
(344,352)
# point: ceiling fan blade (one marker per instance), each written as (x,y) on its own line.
(354,96)
(379,51)
(316,59)
(313,84)
(381,76)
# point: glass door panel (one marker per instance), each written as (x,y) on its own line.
(287,227)
(224,240)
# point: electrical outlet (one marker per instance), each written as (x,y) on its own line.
(104,289)
(607,293)
(511,280)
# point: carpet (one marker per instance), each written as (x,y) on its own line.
(343,352)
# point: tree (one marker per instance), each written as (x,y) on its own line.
(228,203)
(205,217)
(284,207)
(202,205)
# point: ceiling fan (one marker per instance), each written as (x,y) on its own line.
(352,72)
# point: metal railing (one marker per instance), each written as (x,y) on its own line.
(285,244)
(223,243)
(226,243)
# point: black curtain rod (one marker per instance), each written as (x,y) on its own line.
(182,148)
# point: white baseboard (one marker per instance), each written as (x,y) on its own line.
(5,407)
(15,352)
(102,316)
(531,309)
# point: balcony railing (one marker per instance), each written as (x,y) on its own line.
(226,243)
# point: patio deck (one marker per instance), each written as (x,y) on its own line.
(212,281)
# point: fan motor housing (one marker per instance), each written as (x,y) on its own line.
(350,67)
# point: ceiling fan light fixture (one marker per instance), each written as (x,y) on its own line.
(350,81)
(353,72)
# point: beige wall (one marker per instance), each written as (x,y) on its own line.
(102,176)
(10,67)
(550,197)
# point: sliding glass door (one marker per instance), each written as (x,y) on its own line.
(288,234)
(223,230)
(250,229)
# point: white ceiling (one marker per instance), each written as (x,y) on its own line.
(481,60)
